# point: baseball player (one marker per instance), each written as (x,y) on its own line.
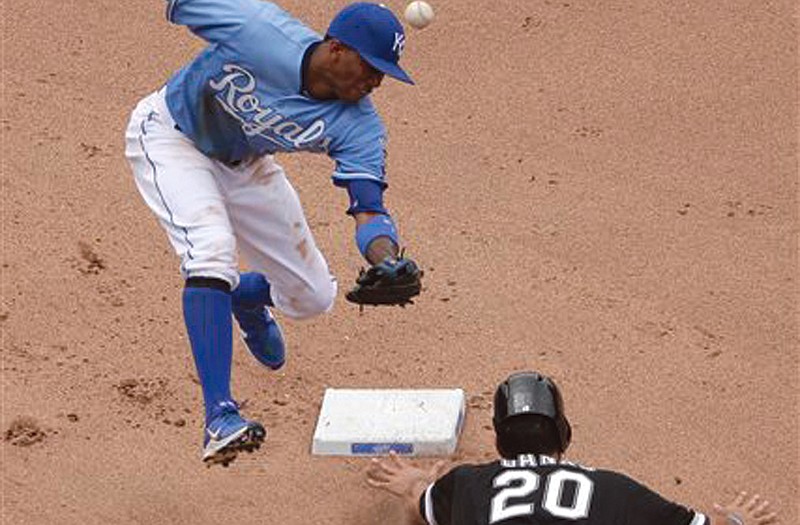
(534,484)
(201,149)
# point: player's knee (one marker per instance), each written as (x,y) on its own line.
(216,259)
(324,297)
(315,300)
(319,299)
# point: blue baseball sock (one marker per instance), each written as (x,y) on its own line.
(253,291)
(207,313)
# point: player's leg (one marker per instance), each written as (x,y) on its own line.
(290,272)
(178,184)
(275,239)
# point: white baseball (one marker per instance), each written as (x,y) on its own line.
(419,14)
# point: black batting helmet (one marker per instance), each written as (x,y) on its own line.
(531,394)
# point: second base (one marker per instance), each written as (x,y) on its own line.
(370,422)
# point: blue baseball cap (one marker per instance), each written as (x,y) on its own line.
(375,33)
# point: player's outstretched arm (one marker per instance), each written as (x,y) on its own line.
(403,480)
(392,279)
(213,20)
(744,511)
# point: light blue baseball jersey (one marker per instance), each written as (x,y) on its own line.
(242,96)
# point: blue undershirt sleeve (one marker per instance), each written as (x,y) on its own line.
(365,196)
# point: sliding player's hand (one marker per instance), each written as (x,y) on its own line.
(744,511)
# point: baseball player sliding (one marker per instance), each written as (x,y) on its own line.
(533,484)
(201,149)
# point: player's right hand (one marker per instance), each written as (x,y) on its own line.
(401,478)
(744,511)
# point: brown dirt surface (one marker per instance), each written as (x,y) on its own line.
(603,191)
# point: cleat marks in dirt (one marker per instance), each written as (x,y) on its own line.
(25,431)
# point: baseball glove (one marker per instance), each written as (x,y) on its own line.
(392,282)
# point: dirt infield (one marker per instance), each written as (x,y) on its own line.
(605,191)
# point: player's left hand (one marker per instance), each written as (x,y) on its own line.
(744,511)
(400,477)
(393,282)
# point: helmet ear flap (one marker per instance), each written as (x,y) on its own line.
(500,406)
(564,432)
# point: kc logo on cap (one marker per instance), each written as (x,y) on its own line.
(399,44)
(375,33)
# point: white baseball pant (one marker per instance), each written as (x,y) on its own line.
(209,208)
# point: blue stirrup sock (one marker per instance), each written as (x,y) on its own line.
(207,314)
(253,291)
